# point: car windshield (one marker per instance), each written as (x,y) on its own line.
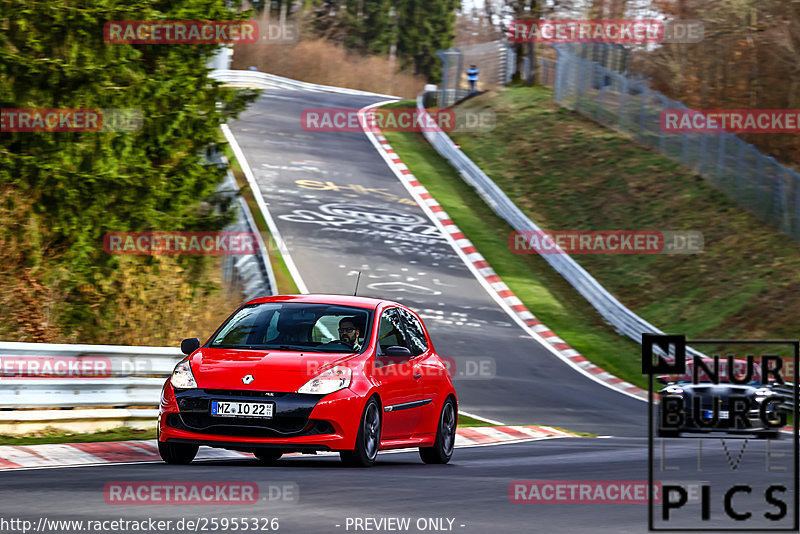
(295,327)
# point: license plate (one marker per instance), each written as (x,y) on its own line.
(242,409)
(723,414)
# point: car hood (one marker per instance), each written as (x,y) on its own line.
(271,370)
(721,390)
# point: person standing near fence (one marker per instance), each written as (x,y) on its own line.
(472,77)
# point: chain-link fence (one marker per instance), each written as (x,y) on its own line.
(546,75)
(494,60)
(758,182)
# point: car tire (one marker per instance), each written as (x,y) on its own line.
(770,434)
(442,449)
(368,439)
(177,453)
(268,456)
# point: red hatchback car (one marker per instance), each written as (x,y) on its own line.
(307,373)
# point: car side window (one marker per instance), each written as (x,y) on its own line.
(390,331)
(416,335)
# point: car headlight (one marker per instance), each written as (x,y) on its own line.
(763,394)
(673,390)
(333,379)
(182,377)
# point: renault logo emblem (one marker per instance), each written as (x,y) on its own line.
(247,379)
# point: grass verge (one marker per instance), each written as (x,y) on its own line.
(466,421)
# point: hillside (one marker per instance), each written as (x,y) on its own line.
(567,172)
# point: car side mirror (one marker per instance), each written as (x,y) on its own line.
(190,345)
(397,350)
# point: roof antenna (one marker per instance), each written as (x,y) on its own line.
(357,280)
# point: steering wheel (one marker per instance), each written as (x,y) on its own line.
(340,342)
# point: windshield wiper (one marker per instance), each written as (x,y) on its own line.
(294,348)
(288,348)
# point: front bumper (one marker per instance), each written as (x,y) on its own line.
(300,422)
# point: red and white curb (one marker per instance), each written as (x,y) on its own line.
(486,275)
(115,452)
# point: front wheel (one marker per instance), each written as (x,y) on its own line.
(368,439)
(177,453)
(442,449)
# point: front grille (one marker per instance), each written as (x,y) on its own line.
(291,413)
(232,426)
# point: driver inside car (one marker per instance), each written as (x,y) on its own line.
(349,332)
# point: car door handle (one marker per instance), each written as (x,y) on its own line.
(417,375)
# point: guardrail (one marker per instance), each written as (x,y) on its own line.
(82,375)
(266,81)
(106,386)
(77,392)
(613,311)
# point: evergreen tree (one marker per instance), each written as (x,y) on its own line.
(53,55)
(418,27)
(423,28)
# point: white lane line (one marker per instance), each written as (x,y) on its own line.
(480,418)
